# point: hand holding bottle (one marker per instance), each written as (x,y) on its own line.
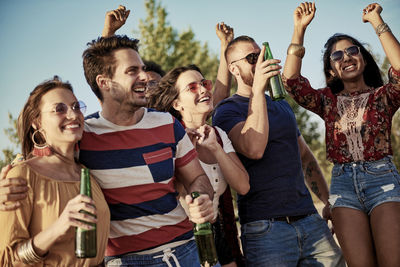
(200,208)
(264,70)
(72,217)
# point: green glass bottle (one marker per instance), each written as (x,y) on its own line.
(276,88)
(85,240)
(204,236)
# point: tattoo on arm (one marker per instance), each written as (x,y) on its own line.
(309,171)
(314,188)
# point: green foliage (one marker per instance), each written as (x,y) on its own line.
(11,133)
(161,43)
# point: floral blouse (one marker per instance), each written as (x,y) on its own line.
(357,125)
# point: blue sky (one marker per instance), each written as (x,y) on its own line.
(42,38)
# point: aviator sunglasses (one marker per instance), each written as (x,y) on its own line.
(195,86)
(62,109)
(350,51)
(251,58)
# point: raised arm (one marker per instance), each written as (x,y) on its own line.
(114,20)
(302,17)
(224,77)
(391,46)
(250,137)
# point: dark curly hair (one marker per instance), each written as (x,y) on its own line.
(371,74)
(98,58)
(162,97)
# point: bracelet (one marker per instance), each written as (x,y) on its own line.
(27,254)
(381,28)
(296,50)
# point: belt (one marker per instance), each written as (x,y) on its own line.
(290,219)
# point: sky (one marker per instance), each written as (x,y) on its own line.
(42,38)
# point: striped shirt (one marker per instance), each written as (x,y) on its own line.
(135,166)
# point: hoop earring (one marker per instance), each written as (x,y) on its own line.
(40,150)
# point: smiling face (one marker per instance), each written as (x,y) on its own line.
(242,69)
(192,102)
(128,84)
(351,67)
(60,129)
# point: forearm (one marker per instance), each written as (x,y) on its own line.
(292,66)
(314,177)
(389,43)
(224,78)
(202,185)
(234,173)
(44,240)
(254,134)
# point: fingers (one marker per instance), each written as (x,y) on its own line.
(120,13)
(9,206)
(4,171)
(200,209)
(12,189)
(224,32)
(270,67)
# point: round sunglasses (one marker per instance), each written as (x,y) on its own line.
(62,108)
(251,58)
(195,86)
(350,51)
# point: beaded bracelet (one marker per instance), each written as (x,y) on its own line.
(297,50)
(381,28)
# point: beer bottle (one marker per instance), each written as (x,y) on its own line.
(276,88)
(85,240)
(204,236)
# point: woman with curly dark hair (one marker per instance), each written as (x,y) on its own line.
(357,109)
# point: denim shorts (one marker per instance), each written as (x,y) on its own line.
(364,185)
(306,242)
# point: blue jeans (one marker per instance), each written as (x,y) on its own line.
(185,254)
(364,185)
(306,242)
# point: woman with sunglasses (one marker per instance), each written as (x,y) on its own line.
(188,96)
(42,230)
(357,109)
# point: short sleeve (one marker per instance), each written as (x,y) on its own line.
(185,151)
(227,115)
(228,147)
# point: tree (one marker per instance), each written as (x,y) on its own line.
(161,43)
(11,133)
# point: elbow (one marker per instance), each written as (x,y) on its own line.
(255,154)
(243,189)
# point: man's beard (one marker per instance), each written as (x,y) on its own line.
(247,78)
(120,97)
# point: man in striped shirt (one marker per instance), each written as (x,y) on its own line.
(135,154)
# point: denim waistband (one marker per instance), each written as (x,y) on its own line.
(386,159)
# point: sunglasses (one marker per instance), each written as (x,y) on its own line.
(195,86)
(350,51)
(251,58)
(62,109)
